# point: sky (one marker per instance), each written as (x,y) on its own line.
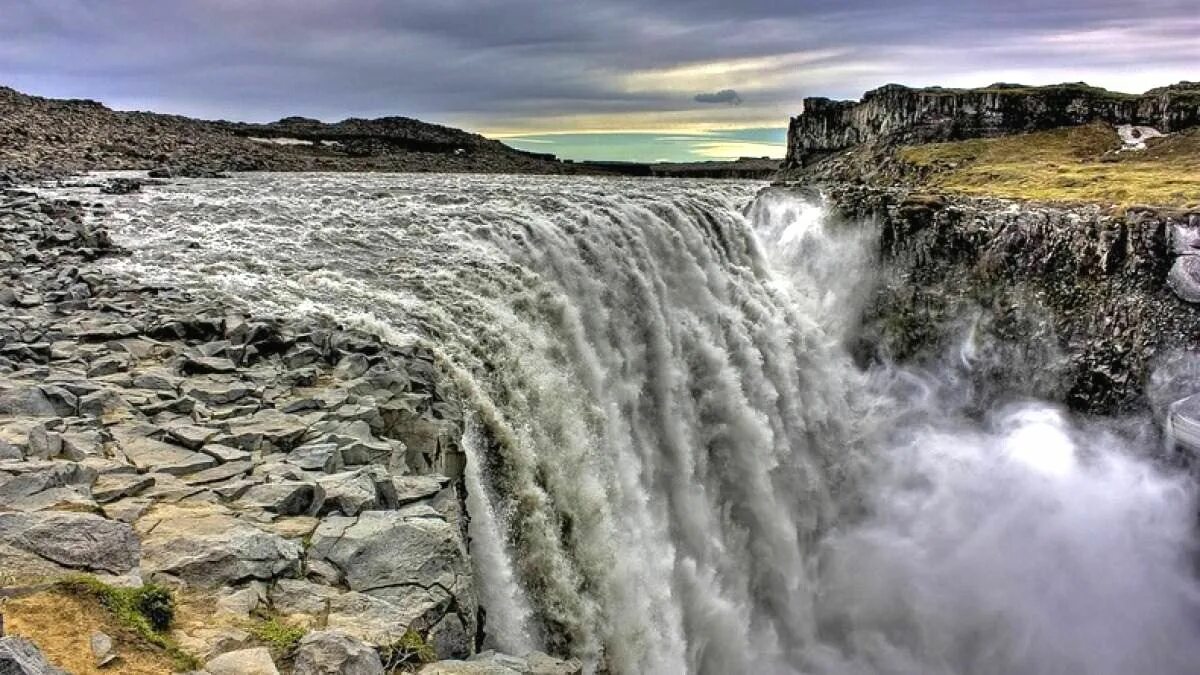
(583,79)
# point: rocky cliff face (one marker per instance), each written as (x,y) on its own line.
(897,115)
(1074,304)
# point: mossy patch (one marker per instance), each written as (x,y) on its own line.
(1074,164)
(281,638)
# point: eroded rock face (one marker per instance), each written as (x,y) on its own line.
(1074,303)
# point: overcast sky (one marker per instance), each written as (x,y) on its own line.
(707,70)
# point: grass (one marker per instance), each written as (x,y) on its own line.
(408,653)
(1074,164)
(280,637)
(61,617)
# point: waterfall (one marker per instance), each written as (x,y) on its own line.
(674,465)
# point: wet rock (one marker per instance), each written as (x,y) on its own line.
(255,661)
(19,656)
(1184,278)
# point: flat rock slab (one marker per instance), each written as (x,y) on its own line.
(73,540)
(206,546)
(151,455)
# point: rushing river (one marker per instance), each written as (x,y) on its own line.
(675,466)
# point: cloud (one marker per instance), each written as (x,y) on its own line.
(724,96)
(531,66)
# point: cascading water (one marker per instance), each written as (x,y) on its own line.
(674,466)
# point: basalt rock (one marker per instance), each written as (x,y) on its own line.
(898,115)
(1074,304)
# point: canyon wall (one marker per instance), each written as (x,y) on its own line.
(897,115)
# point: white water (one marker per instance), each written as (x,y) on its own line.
(686,473)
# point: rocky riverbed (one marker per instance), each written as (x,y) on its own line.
(264,471)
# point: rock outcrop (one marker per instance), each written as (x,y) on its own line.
(897,115)
(1073,304)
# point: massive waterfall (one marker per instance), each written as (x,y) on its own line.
(674,465)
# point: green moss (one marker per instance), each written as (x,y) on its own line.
(146,611)
(279,636)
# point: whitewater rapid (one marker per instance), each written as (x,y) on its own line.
(674,466)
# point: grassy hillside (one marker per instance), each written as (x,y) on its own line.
(1065,165)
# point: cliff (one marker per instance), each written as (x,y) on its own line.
(896,115)
(1079,304)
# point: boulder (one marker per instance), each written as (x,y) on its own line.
(287,498)
(73,540)
(19,656)
(331,652)
(255,661)
(267,430)
(350,492)
(206,546)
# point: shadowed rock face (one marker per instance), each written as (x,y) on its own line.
(897,115)
(1072,304)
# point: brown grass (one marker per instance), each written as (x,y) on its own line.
(1075,164)
(61,625)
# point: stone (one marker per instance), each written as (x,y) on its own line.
(108,366)
(79,445)
(102,649)
(243,601)
(415,488)
(19,656)
(411,558)
(482,667)
(158,379)
(267,430)
(285,498)
(73,540)
(190,436)
(351,366)
(205,546)
(331,652)
(1184,278)
(106,405)
(224,453)
(151,455)
(350,492)
(111,487)
(317,457)
(215,392)
(540,663)
(216,474)
(254,661)
(204,365)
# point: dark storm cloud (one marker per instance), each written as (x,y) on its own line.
(495,64)
(724,96)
